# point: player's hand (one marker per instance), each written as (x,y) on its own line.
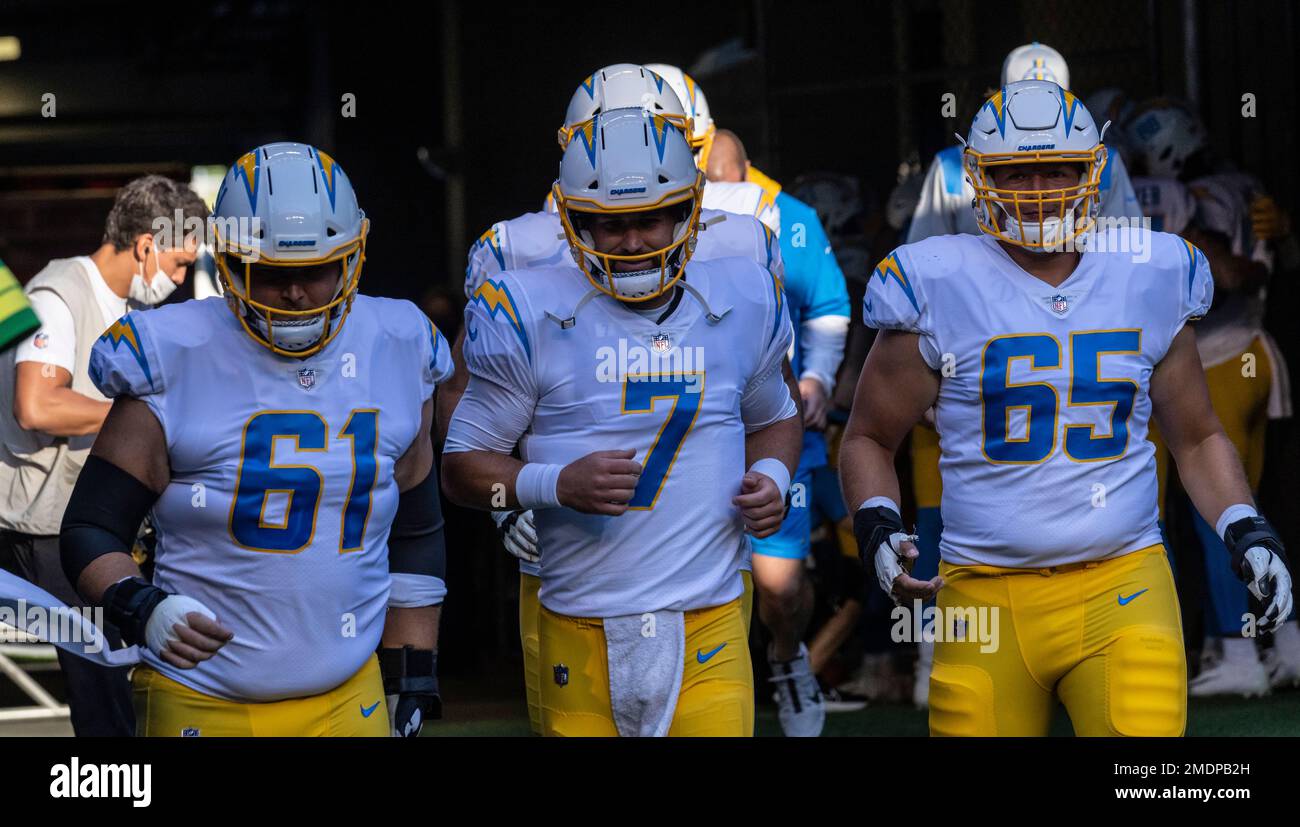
(602,482)
(1270,582)
(518,534)
(1268,221)
(815,404)
(760,503)
(411,693)
(894,560)
(184,632)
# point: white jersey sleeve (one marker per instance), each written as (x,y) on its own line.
(439,366)
(724,234)
(124,361)
(934,211)
(1196,292)
(530,240)
(894,300)
(780,337)
(766,398)
(498,341)
(486,258)
(745,198)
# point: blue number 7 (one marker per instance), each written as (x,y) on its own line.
(639,396)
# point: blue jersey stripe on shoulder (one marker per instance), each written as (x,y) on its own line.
(950,164)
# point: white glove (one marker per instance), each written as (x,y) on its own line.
(1271,584)
(520,538)
(159,632)
(890,562)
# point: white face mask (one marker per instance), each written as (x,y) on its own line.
(157,289)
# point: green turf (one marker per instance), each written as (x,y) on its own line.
(1275,715)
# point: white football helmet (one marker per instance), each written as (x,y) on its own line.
(628,161)
(288,205)
(1035,61)
(622,86)
(1035,121)
(693,101)
(1164,134)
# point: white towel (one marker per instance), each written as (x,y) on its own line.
(646,655)
(41,614)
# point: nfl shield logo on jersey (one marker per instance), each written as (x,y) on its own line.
(307,378)
(1060,304)
(661,343)
(561,674)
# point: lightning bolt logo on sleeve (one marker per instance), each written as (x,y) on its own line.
(891,268)
(124,332)
(493,244)
(496,299)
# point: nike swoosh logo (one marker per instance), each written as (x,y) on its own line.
(867,304)
(365,713)
(702,657)
(472,333)
(1124,601)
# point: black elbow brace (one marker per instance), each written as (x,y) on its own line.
(104,515)
(416,543)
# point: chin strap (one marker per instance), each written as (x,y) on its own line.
(567,322)
(713,318)
(572,319)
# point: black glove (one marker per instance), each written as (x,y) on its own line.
(871,527)
(411,686)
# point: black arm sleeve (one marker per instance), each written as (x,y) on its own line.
(104,515)
(416,544)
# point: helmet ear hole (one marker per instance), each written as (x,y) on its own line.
(663,179)
(330,232)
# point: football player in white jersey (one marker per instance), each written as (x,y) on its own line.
(538,240)
(290,482)
(944,208)
(1045,345)
(639,383)
(819,309)
(946,195)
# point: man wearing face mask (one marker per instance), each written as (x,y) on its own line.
(50,410)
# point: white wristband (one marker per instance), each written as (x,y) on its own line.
(535,486)
(877,502)
(775,470)
(1232,514)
